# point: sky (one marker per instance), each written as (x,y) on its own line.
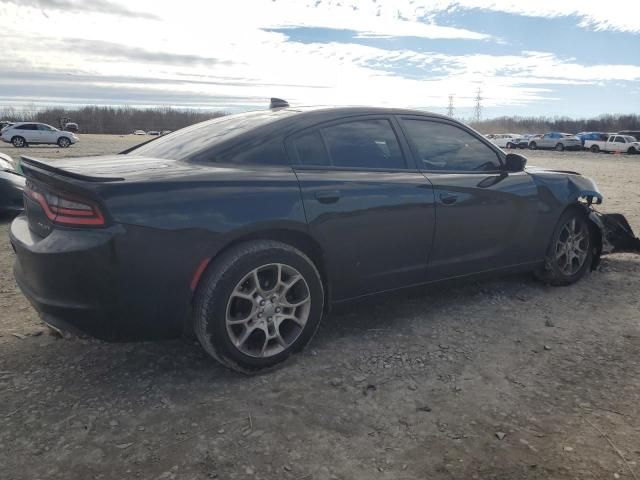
(525,57)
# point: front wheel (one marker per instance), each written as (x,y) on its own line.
(64,142)
(632,151)
(570,251)
(560,147)
(533,146)
(510,145)
(259,302)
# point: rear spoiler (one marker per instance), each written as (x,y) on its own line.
(29,163)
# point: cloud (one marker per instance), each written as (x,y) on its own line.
(73,6)
(136,54)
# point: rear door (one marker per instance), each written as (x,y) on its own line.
(367,205)
(485,215)
(30,132)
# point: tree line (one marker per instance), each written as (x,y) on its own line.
(124,120)
(603,123)
(111,120)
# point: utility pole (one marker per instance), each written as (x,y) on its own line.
(477,114)
(450,109)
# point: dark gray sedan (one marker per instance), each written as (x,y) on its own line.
(246,228)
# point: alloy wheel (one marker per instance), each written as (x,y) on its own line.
(572,246)
(268,310)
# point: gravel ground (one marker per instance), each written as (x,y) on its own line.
(496,379)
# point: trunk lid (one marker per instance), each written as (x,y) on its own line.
(108,168)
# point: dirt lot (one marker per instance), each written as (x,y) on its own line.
(499,379)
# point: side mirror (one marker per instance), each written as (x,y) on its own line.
(514,162)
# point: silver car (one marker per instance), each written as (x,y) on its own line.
(557,141)
(24,134)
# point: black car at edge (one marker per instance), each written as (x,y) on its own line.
(246,228)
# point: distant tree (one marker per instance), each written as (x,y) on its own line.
(603,123)
(111,120)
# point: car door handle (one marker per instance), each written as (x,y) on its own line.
(448,198)
(328,196)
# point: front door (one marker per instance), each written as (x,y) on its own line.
(485,216)
(371,211)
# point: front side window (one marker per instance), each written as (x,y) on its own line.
(364,144)
(45,128)
(619,140)
(441,146)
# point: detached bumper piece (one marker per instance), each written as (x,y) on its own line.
(617,235)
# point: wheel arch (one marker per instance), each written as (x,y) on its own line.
(293,237)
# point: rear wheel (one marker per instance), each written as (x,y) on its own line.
(595,149)
(261,302)
(533,145)
(19,142)
(570,251)
(510,145)
(64,142)
(560,147)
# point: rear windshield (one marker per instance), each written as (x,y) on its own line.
(192,140)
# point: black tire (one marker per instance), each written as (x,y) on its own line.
(595,149)
(217,286)
(560,147)
(532,145)
(552,272)
(18,141)
(510,145)
(63,142)
(632,151)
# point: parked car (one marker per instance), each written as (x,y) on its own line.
(165,132)
(614,143)
(244,229)
(71,127)
(557,141)
(4,124)
(584,136)
(505,140)
(139,132)
(11,186)
(632,133)
(23,134)
(523,141)
(153,132)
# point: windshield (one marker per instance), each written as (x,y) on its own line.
(191,140)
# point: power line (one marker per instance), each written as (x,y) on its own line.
(477,111)
(450,109)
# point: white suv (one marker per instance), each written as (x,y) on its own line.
(25,133)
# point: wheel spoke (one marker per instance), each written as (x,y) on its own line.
(278,294)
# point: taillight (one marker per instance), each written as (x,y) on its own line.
(64,209)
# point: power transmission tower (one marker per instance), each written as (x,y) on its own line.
(450,109)
(477,113)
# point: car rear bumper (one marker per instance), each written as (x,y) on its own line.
(87,281)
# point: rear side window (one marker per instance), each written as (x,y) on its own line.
(28,126)
(441,146)
(356,144)
(309,148)
(364,144)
